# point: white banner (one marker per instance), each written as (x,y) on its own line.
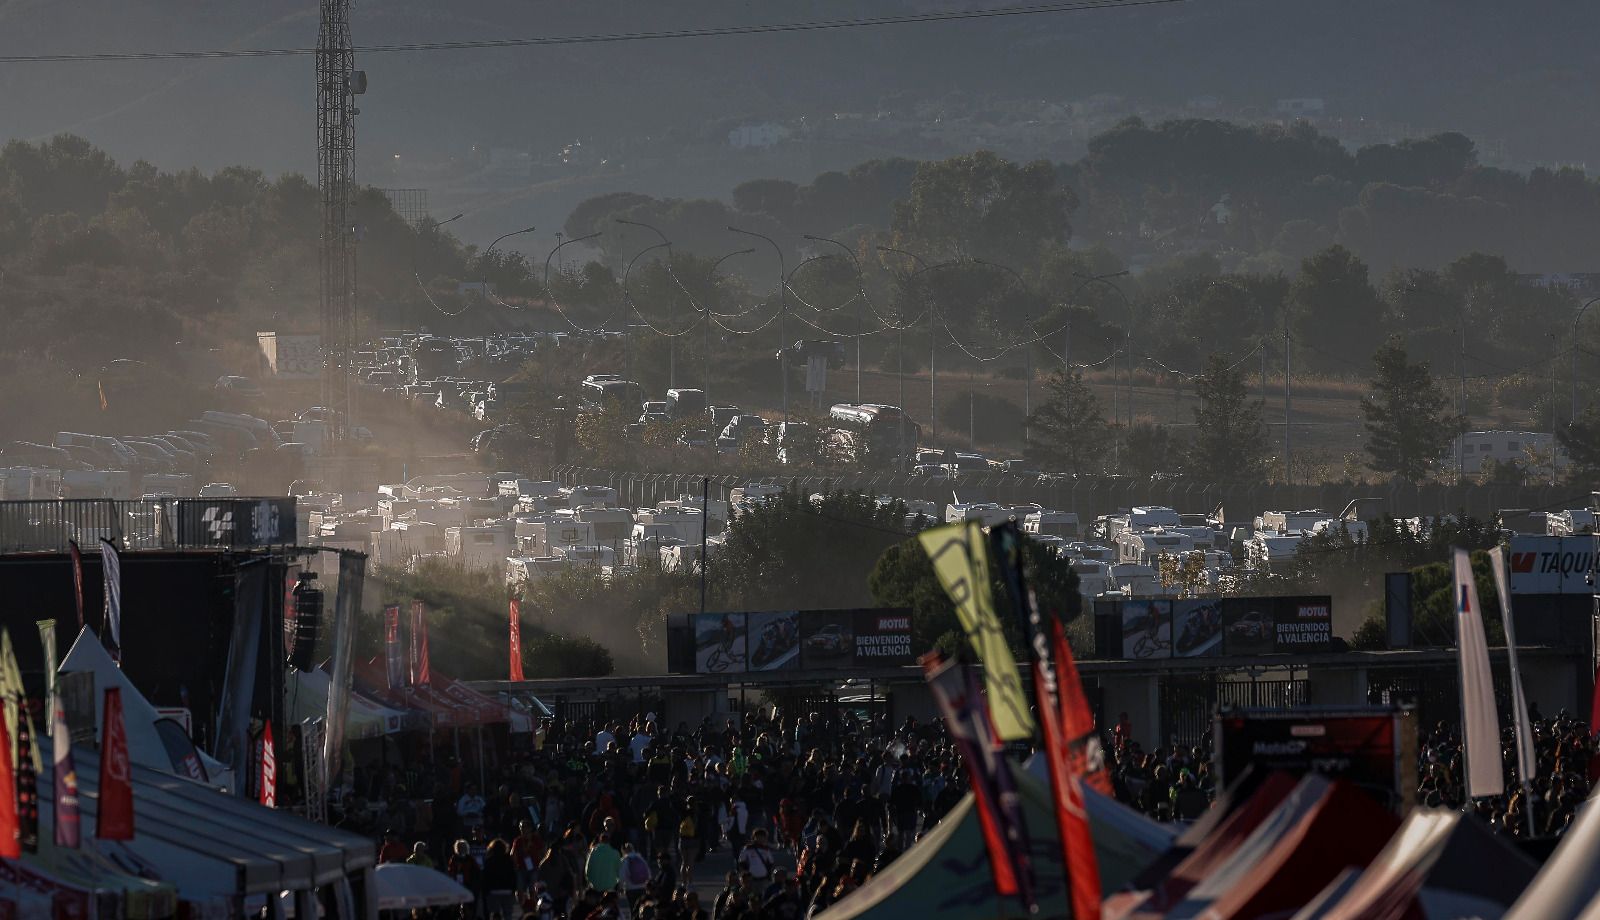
(1553,565)
(1480,725)
(1527,763)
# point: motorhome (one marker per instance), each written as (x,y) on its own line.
(1287,522)
(611,525)
(1063,524)
(986,513)
(684,403)
(1265,549)
(480,547)
(1144,548)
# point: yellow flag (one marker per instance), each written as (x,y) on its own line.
(960,557)
(14,697)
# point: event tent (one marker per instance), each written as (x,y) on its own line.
(946,874)
(401,886)
(1209,852)
(145,746)
(445,702)
(213,846)
(1318,830)
(1568,885)
(1439,866)
(306,697)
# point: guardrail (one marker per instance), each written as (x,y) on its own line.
(156,523)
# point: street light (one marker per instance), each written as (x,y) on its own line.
(861,285)
(672,341)
(483,259)
(553,254)
(933,345)
(627,300)
(711,282)
(783,306)
(1587,304)
(1127,357)
(416,242)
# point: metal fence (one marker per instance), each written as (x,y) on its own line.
(157,523)
(1089,496)
(1189,705)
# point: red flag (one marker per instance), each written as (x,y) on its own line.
(1085,754)
(420,673)
(115,818)
(516,640)
(10,832)
(269,768)
(77,577)
(1072,822)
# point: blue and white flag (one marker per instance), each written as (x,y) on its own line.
(111,568)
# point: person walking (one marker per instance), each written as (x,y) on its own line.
(602,870)
(635,874)
(499,878)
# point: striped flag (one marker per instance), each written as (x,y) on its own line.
(27,779)
(1480,724)
(993,788)
(111,568)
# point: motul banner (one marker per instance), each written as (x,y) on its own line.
(115,818)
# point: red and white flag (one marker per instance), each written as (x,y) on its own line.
(516,639)
(10,831)
(1480,723)
(269,768)
(115,818)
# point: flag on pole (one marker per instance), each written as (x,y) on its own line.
(111,569)
(114,821)
(77,578)
(1064,764)
(269,768)
(516,639)
(65,780)
(1480,724)
(419,645)
(101,386)
(966,720)
(1527,762)
(47,641)
(10,830)
(27,789)
(394,663)
(1086,755)
(961,561)
(12,699)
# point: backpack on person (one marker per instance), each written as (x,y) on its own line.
(635,871)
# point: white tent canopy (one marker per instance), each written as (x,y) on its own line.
(307,698)
(402,886)
(145,747)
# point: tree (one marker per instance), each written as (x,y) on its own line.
(1228,439)
(1581,443)
(904,577)
(981,206)
(1337,310)
(1148,449)
(1068,432)
(1408,429)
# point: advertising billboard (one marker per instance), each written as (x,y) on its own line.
(828,639)
(774,640)
(1553,565)
(1366,746)
(1247,625)
(291,356)
(1197,628)
(1303,624)
(1146,629)
(719,643)
(883,638)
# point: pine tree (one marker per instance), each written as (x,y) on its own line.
(1408,427)
(1228,443)
(1068,433)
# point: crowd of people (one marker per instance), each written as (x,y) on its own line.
(612,819)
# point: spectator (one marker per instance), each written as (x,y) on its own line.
(603,867)
(419,856)
(499,878)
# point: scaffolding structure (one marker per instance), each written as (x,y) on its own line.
(338,83)
(410,203)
